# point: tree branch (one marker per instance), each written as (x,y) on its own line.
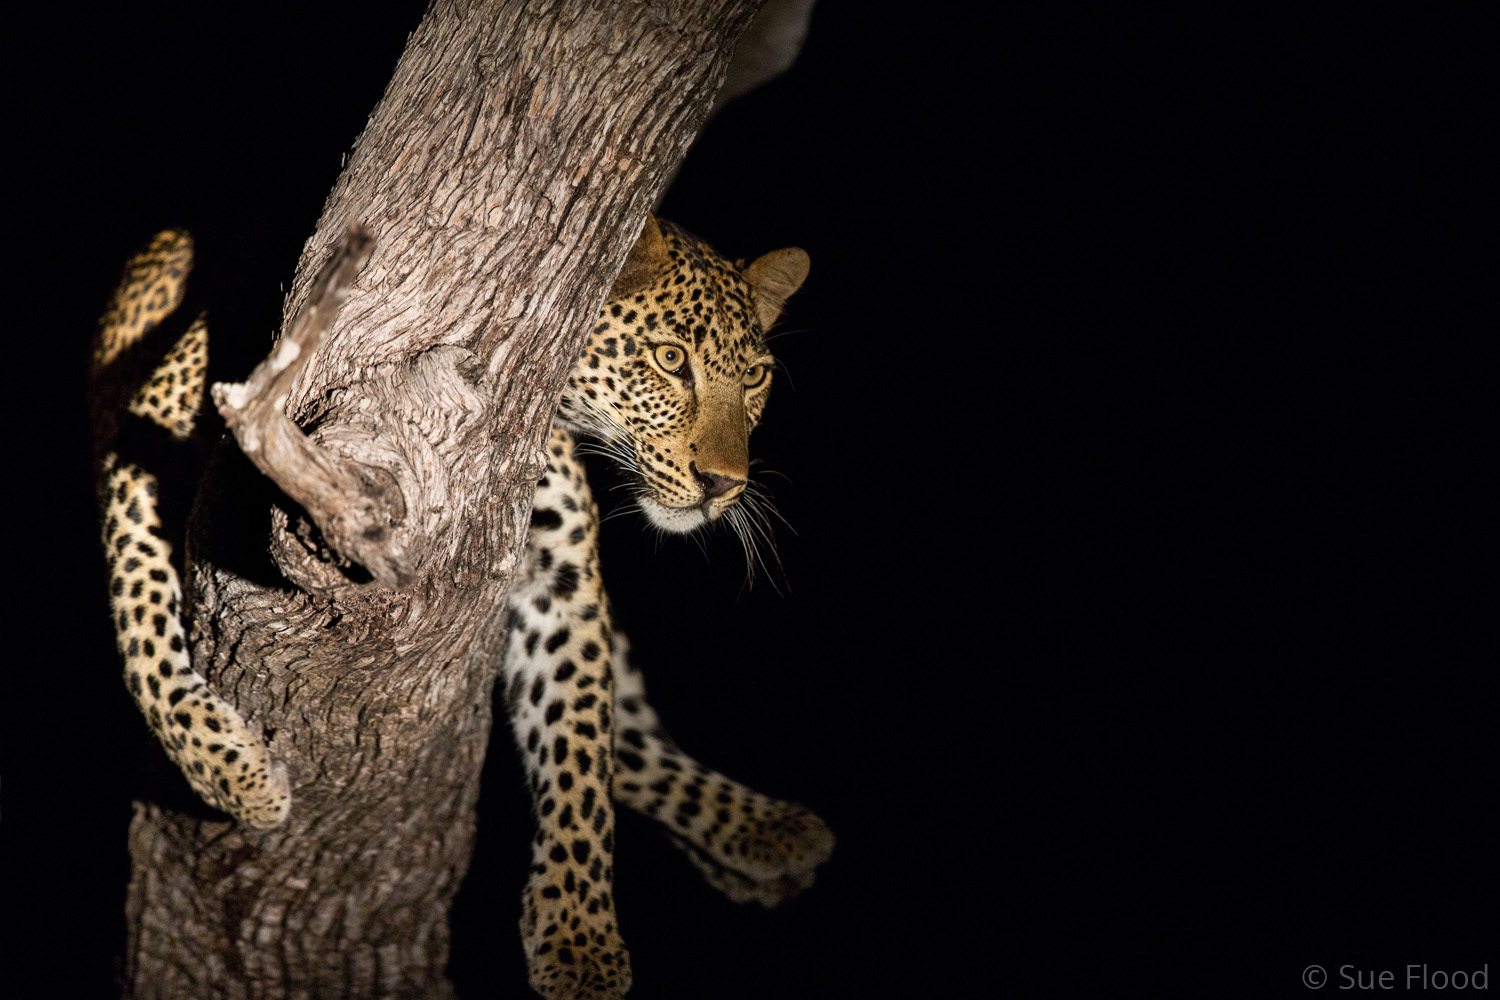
(505,173)
(353,506)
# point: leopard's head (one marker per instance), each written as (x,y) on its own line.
(676,372)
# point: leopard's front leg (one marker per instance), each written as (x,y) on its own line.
(749,846)
(558,692)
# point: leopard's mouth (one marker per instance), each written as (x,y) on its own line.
(680,520)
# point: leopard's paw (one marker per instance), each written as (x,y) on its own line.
(569,959)
(771,856)
(228,764)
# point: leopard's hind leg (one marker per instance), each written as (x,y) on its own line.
(225,761)
(749,846)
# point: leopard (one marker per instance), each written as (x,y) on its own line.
(672,378)
(135,422)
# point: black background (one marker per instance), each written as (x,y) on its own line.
(1129,634)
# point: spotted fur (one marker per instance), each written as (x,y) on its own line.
(672,379)
(670,383)
(224,759)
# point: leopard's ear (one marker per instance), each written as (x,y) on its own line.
(773,278)
(645,262)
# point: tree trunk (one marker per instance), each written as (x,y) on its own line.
(503,176)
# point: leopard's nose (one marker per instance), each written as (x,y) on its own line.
(712,483)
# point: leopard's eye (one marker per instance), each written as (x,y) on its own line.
(755,375)
(671,358)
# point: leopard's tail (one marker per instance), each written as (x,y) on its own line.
(226,762)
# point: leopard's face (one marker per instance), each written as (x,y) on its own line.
(676,374)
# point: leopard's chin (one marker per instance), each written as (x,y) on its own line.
(679,520)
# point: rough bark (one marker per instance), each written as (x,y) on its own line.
(503,178)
